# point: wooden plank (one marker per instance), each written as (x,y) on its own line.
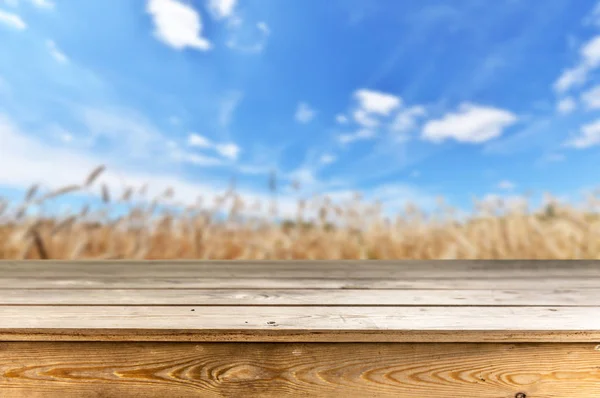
(275,318)
(304,269)
(296,336)
(164,370)
(144,282)
(306,297)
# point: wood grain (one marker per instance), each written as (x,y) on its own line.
(296,370)
(304,297)
(305,336)
(275,318)
(144,282)
(305,269)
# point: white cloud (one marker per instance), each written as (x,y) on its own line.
(121,132)
(47,4)
(194,158)
(471,123)
(363,118)
(590,136)
(304,113)
(341,119)
(591,98)
(228,106)
(33,161)
(248,41)
(221,9)
(566,105)
(264,28)
(56,52)
(577,75)
(377,102)
(327,159)
(570,77)
(178,25)
(304,176)
(371,106)
(506,185)
(197,140)
(12,20)
(360,135)
(229,150)
(405,120)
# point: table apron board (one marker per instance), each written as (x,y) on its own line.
(412,370)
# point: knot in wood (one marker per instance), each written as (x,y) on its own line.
(520,395)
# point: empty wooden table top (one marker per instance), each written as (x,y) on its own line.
(301,301)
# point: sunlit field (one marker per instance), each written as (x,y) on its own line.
(155,228)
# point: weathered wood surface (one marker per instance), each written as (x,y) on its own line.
(375,275)
(146,282)
(275,318)
(282,370)
(302,297)
(351,269)
(274,329)
(382,301)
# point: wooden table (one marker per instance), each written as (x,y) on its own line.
(497,329)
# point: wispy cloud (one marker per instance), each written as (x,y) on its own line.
(566,105)
(589,136)
(228,107)
(177,24)
(591,98)
(359,135)
(406,119)
(197,140)
(341,119)
(42,4)
(327,158)
(56,52)
(228,150)
(264,28)
(249,40)
(12,20)
(589,60)
(33,161)
(304,113)
(46,4)
(593,18)
(506,185)
(116,132)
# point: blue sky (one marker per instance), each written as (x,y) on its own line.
(401,100)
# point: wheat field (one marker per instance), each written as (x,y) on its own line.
(354,231)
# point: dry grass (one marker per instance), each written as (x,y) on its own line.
(354,231)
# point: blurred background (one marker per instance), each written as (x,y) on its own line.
(282,129)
